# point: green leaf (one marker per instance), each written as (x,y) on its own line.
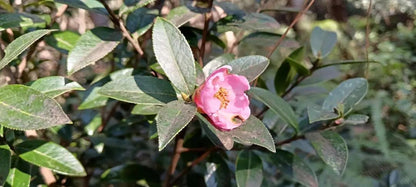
(294,168)
(24,108)
(348,93)
(93,125)
(19,174)
(217,172)
(171,119)
(216,63)
(64,41)
(180,15)
(276,104)
(331,147)
(6,6)
(55,85)
(317,114)
(139,90)
(322,42)
(356,119)
(249,66)
(253,131)
(91,5)
(174,56)
(11,20)
(5,159)
(141,20)
(20,44)
(146,109)
(92,46)
(249,169)
(251,21)
(217,137)
(50,155)
(131,173)
(292,65)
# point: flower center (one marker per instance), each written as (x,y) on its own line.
(222,95)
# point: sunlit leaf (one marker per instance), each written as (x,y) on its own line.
(174,56)
(24,108)
(64,41)
(249,66)
(171,119)
(20,44)
(92,46)
(55,85)
(50,155)
(19,174)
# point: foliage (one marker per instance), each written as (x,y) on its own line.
(110,100)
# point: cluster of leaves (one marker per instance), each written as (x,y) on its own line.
(149,94)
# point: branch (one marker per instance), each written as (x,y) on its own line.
(298,16)
(194,163)
(207,17)
(120,25)
(175,157)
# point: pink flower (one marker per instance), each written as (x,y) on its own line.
(222,98)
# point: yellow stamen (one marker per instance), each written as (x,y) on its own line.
(222,95)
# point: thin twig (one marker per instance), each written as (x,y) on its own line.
(367,39)
(175,157)
(118,22)
(106,119)
(207,18)
(298,16)
(194,163)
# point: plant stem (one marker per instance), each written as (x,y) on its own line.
(298,16)
(175,157)
(194,163)
(118,22)
(207,17)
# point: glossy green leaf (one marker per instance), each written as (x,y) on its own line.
(356,119)
(24,108)
(348,93)
(91,5)
(64,41)
(140,90)
(317,114)
(174,56)
(331,147)
(276,104)
(131,173)
(294,168)
(249,66)
(92,99)
(50,155)
(20,44)
(141,20)
(93,125)
(171,119)
(180,15)
(253,131)
(322,42)
(19,174)
(216,63)
(5,159)
(55,85)
(291,66)
(249,169)
(11,20)
(217,137)
(92,46)
(146,109)
(217,172)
